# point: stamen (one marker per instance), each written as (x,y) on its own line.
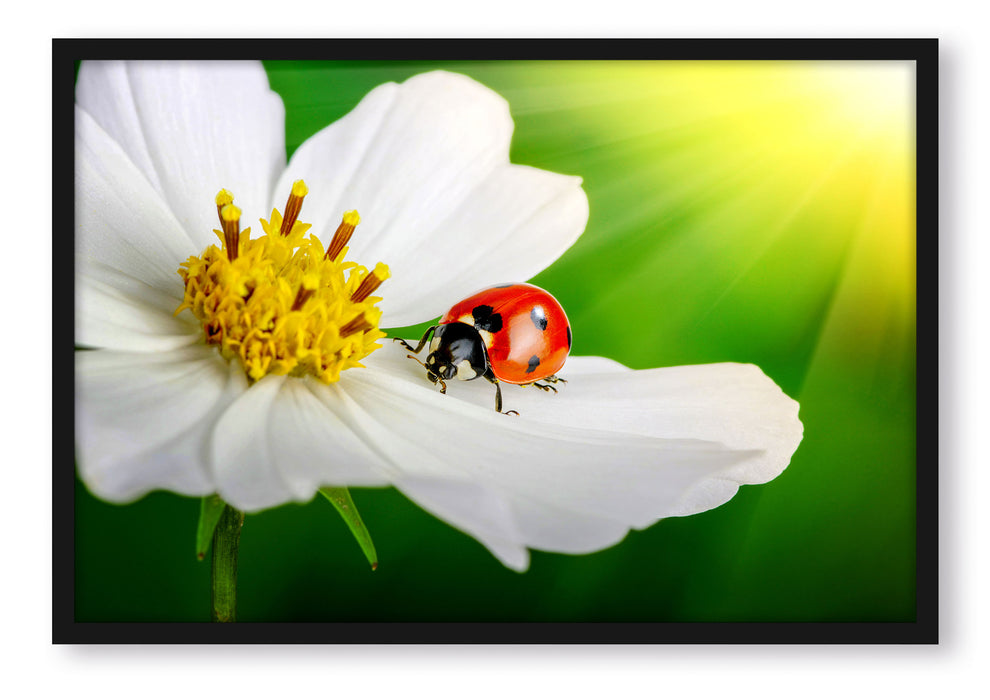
(358,324)
(224,197)
(372,282)
(230,217)
(241,292)
(343,234)
(293,206)
(306,290)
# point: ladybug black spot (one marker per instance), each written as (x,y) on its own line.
(568,337)
(539,317)
(485,320)
(534,362)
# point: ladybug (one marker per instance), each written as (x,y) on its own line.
(512,333)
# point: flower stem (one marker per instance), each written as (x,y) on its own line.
(226,541)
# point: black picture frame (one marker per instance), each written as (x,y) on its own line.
(66,53)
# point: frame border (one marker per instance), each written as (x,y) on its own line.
(924,52)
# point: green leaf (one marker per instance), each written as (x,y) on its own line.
(210,509)
(341,500)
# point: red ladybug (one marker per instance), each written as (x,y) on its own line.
(513,333)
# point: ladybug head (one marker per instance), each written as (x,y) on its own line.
(456,351)
(438,368)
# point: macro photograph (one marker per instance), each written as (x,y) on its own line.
(623,341)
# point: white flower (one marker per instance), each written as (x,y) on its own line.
(426,165)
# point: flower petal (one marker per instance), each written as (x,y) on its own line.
(512,226)
(143,420)
(192,129)
(126,314)
(426,163)
(577,475)
(733,404)
(128,248)
(474,509)
(123,224)
(282,440)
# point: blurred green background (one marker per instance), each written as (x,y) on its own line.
(753,212)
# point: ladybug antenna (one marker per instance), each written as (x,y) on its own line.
(430,375)
(413,357)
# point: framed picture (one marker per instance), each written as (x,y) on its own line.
(680,277)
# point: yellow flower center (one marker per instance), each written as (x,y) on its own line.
(281,303)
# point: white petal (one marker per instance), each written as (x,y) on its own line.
(128,248)
(591,364)
(192,129)
(571,485)
(282,441)
(143,420)
(736,405)
(409,148)
(331,159)
(122,223)
(474,509)
(511,226)
(426,164)
(241,451)
(103,89)
(127,315)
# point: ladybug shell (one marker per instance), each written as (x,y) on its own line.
(523,327)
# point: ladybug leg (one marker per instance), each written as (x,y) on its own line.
(422,341)
(552,379)
(498,395)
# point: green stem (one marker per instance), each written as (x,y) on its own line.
(226,540)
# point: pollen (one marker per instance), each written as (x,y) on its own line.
(283,303)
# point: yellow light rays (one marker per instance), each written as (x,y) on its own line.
(740,184)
